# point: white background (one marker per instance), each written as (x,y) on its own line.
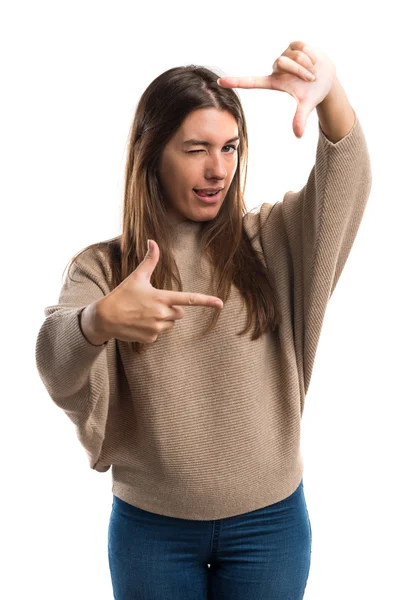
(72,74)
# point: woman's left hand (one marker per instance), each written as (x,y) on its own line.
(290,75)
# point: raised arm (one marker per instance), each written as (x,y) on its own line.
(316,227)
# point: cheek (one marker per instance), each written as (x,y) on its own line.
(182,174)
(233,170)
(191,172)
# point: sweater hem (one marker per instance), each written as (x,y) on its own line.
(199,510)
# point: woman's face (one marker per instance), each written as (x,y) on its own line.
(185,165)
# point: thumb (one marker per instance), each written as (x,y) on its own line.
(300,120)
(149,263)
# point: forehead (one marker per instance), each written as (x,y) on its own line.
(208,123)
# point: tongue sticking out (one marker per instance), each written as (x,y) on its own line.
(203,194)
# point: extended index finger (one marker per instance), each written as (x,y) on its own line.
(173,297)
(256,81)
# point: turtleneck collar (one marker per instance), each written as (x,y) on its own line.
(185,232)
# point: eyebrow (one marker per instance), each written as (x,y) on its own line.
(205,143)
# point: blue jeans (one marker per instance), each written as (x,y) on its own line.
(264,554)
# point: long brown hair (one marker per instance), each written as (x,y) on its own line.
(162,108)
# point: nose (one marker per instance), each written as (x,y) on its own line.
(215,168)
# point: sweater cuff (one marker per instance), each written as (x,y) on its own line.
(347,139)
(80,310)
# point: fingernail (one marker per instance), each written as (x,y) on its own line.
(311,76)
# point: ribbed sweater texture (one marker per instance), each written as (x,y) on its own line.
(210,428)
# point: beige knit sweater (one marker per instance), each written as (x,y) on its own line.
(210,428)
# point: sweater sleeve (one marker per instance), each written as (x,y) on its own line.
(320,223)
(73,370)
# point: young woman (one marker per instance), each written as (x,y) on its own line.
(201,426)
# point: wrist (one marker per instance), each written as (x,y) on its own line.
(92,325)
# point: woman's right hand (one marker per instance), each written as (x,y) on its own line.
(135,311)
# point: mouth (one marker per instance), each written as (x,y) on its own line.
(209,198)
